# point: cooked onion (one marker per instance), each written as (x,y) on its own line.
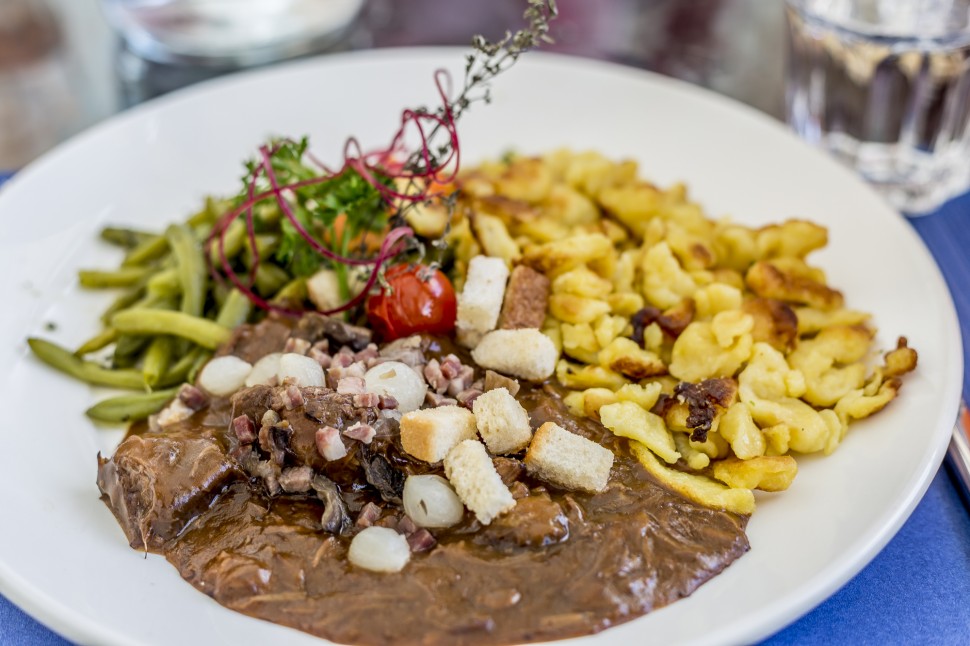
(431,502)
(379,549)
(224,375)
(265,371)
(302,371)
(397,380)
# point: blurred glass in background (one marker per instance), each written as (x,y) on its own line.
(885,86)
(167,44)
(36,106)
(151,47)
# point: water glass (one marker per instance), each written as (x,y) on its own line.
(223,32)
(884,85)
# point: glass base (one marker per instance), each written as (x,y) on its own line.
(913,181)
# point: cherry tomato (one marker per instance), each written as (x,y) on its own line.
(421,300)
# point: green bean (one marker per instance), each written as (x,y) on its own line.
(200,360)
(124,301)
(156,360)
(209,213)
(124,277)
(270,278)
(98,342)
(128,350)
(266,245)
(146,251)
(293,293)
(148,321)
(130,408)
(190,265)
(235,240)
(268,213)
(165,283)
(64,360)
(235,310)
(179,371)
(125,238)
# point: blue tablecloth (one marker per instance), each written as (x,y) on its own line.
(917,590)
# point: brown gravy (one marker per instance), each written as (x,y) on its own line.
(560,564)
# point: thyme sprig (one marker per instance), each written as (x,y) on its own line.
(487,60)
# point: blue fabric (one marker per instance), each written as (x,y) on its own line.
(917,590)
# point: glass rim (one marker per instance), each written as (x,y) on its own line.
(314,38)
(955,37)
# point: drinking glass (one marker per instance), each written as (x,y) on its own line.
(167,44)
(884,85)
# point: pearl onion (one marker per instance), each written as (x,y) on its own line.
(224,375)
(304,371)
(430,501)
(400,381)
(379,549)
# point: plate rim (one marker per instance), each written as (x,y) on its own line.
(75,626)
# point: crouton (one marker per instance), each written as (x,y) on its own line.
(568,460)
(527,353)
(526,299)
(502,422)
(429,434)
(477,483)
(480,300)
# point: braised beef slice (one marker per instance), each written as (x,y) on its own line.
(535,521)
(335,518)
(382,475)
(251,342)
(315,327)
(156,484)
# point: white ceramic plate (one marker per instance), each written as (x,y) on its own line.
(63,557)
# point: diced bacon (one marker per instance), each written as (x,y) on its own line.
(351,386)
(455,386)
(296,479)
(320,357)
(450,366)
(292,397)
(296,345)
(435,377)
(244,429)
(370,352)
(356,369)
(343,359)
(467,375)
(329,443)
(435,400)
(338,372)
(322,345)
(361,432)
(407,526)
(368,515)
(421,540)
(193,397)
(467,397)
(176,411)
(367,400)
(388,402)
